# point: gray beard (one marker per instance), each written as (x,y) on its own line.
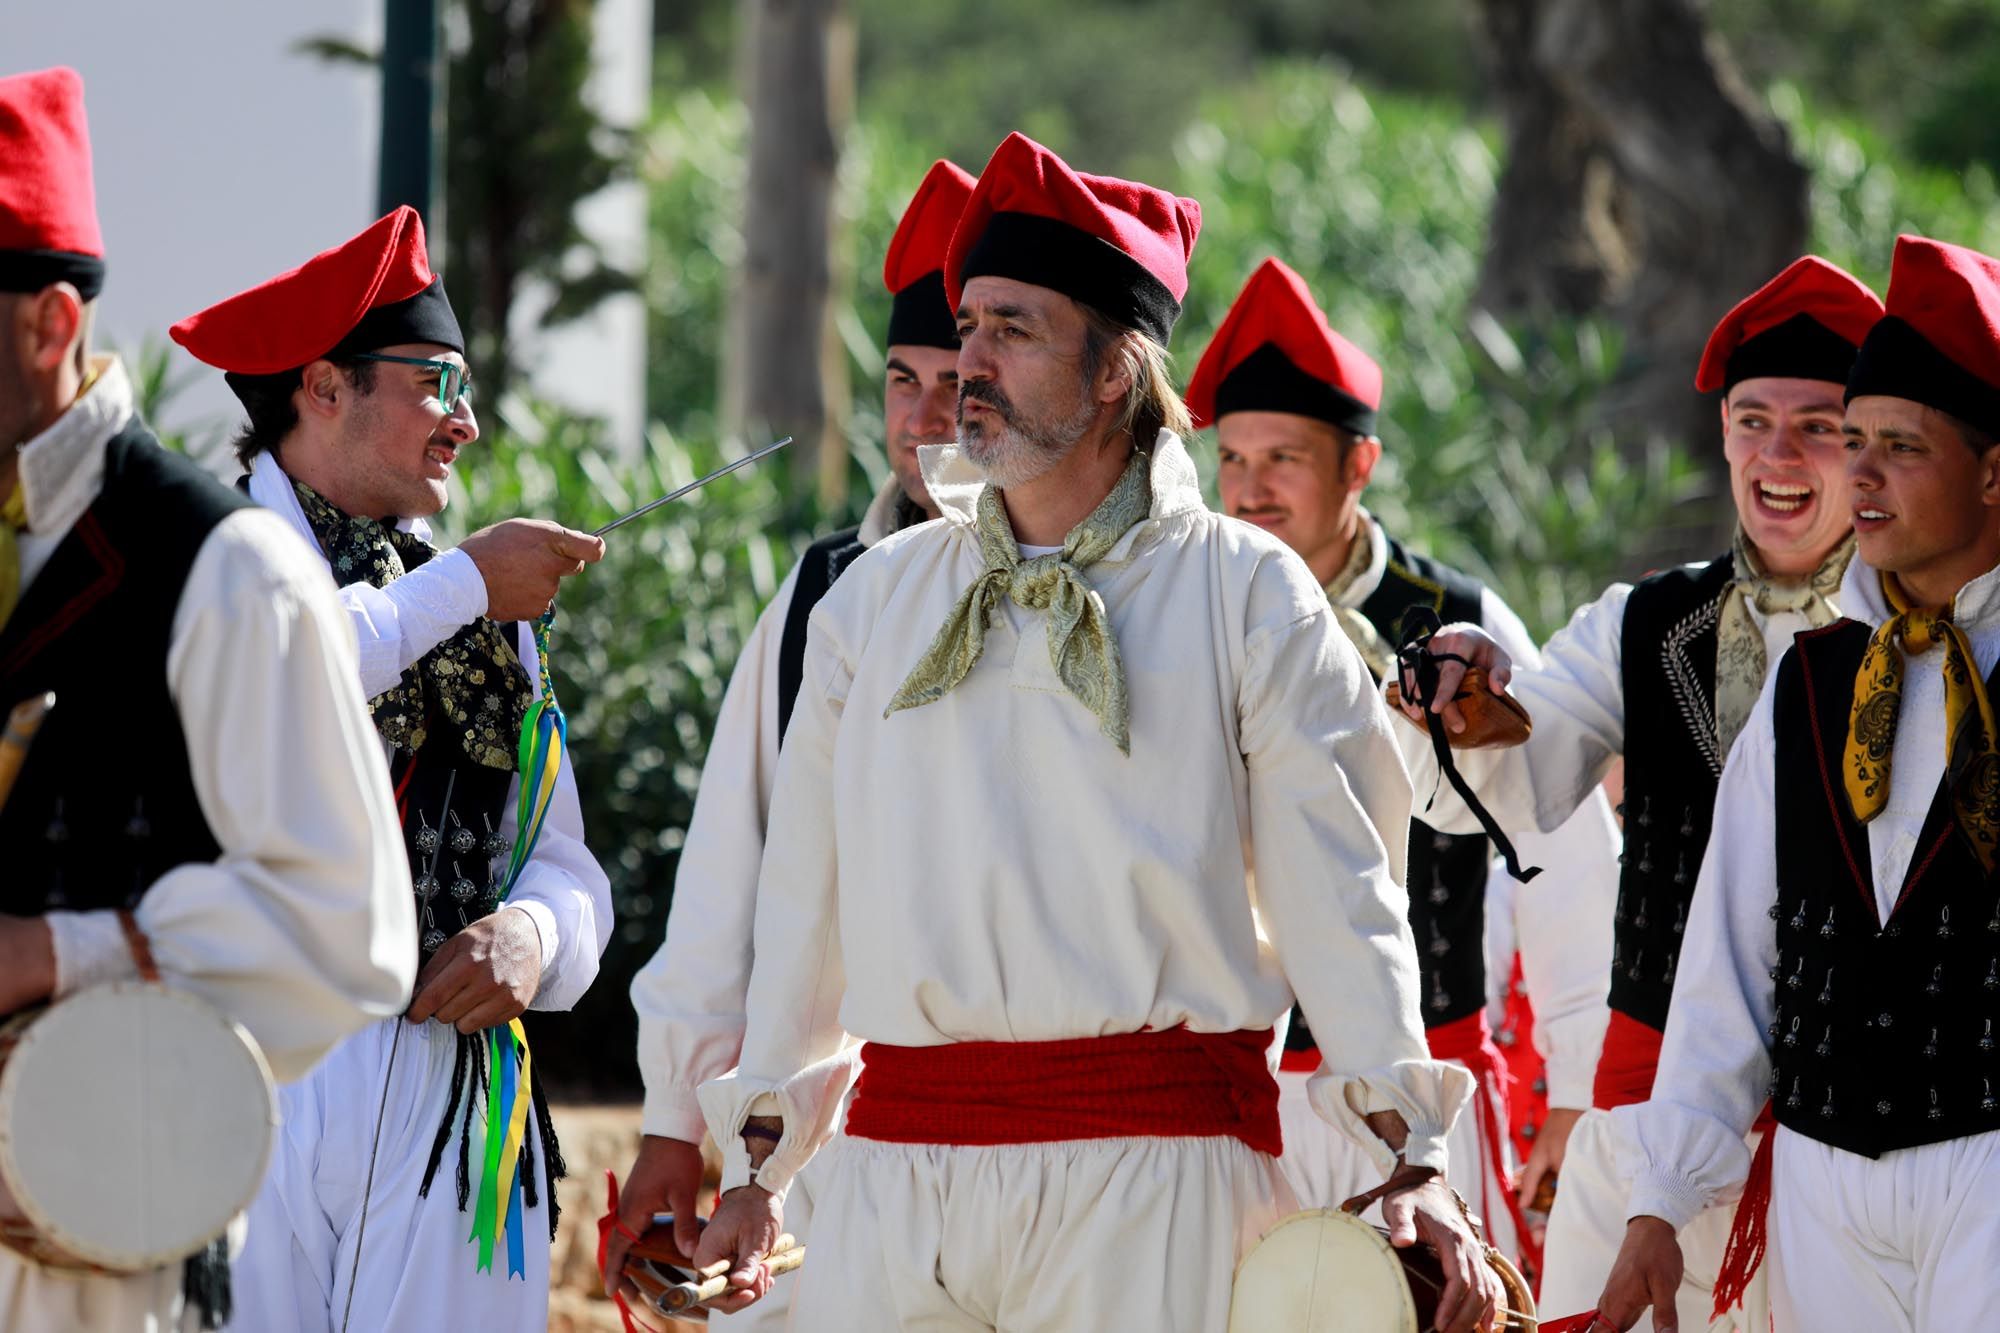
(1010,458)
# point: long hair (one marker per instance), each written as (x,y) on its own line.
(1151,403)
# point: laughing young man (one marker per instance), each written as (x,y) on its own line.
(1664,673)
(1843,952)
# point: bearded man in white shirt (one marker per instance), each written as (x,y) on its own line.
(352,370)
(1662,674)
(206,774)
(689,996)
(1843,953)
(1064,976)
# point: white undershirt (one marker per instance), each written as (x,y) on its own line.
(1030,552)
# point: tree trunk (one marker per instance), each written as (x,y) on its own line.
(783,374)
(1643,184)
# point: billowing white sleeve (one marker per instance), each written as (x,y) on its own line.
(396,625)
(1715,1061)
(1330,818)
(1576,696)
(562,887)
(304,930)
(689,996)
(797,1061)
(1565,914)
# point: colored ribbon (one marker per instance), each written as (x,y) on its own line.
(544,741)
(509,1093)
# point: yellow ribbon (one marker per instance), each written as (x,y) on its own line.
(13,518)
(1972,765)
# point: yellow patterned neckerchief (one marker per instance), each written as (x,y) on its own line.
(1081,646)
(1360,630)
(1972,760)
(1740,660)
(13,518)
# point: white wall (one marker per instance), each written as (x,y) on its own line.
(221,156)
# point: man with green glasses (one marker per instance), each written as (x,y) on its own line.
(352,371)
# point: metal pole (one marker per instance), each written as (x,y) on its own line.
(409,151)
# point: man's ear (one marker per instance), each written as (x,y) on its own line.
(321,386)
(1114,376)
(1362,456)
(1989,477)
(53,319)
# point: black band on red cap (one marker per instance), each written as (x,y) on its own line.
(1898,362)
(1800,348)
(920,316)
(32,270)
(424,318)
(1046,253)
(1269,381)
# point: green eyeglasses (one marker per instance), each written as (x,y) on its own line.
(454,380)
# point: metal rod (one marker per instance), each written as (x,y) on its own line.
(694,485)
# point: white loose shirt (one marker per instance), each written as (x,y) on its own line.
(562,889)
(689,995)
(1715,1062)
(989,867)
(1566,913)
(303,929)
(1576,695)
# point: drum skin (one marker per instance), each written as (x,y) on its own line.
(1325,1271)
(135,1122)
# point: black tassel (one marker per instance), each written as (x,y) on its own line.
(450,1114)
(552,1158)
(205,1283)
(530,1196)
(474,1093)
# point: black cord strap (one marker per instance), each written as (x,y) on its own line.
(1419,667)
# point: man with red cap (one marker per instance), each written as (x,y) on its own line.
(1843,954)
(1664,673)
(1295,407)
(1108,703)
(203,787)
(352,370)
(690,996)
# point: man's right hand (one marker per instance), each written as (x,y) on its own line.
(665,1178)
(1646,1275)
(747,1223)
(523,560)
(1479,649)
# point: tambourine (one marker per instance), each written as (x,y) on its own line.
(1327,1271)
(1492,720)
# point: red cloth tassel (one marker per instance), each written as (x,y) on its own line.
(605,1226)
(978,1093)
(1470,1042)
(1749,1232)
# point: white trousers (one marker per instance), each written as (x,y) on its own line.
(39,1300)
(416,1269)
(1324,1167)
(1074,1237)
(1587,1227)
(1905,1243)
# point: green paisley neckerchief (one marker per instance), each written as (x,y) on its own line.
(1081,646)
(474,680)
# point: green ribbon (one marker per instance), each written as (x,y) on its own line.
(1081,646)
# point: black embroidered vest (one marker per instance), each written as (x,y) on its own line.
(1446,874)
(823,563)
(105,803)
(1672,765)
(1885,1032)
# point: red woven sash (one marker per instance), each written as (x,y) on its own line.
(1626,1067)
(978,1093)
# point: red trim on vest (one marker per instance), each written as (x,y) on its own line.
(1470,1042)
(981,1093)
(1625,1067)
